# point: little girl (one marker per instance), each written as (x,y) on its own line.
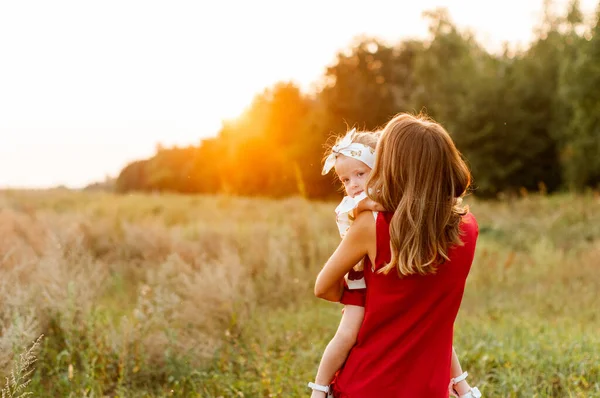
(352,158)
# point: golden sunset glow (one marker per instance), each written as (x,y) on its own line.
(87,87)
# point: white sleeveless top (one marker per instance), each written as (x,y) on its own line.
(344,218)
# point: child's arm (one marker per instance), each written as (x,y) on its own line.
(338,348)
(366,204)
(462,387)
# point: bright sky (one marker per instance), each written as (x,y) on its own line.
(88,86)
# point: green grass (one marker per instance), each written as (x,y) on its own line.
(509,356)
(519,334)
(198,296)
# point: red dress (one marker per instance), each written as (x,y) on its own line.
(404,346)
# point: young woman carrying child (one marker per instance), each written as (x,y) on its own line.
(419,178)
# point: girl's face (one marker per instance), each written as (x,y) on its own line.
(352,173)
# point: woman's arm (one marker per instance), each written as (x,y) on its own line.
(360,241)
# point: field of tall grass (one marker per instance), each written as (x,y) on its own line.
(198,296)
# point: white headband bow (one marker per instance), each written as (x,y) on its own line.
(351,149)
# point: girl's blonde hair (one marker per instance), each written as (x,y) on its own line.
(420,176)
(368,138)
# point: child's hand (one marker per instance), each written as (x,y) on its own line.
(367,204)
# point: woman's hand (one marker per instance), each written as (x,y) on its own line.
(358,243)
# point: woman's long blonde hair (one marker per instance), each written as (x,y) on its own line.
(421,177)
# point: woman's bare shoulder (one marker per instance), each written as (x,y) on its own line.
(364,224)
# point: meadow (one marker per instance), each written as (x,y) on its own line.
(211,296)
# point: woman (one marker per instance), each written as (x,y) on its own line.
(418,255)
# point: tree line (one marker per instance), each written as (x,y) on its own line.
(527,118)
